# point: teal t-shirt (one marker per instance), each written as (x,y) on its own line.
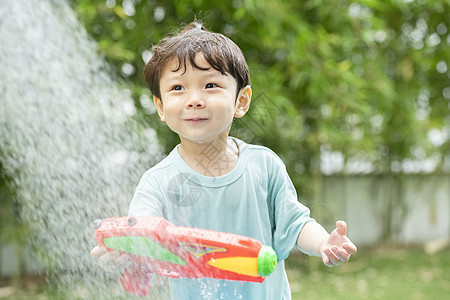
(256,199)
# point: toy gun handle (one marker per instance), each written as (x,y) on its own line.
(136,281)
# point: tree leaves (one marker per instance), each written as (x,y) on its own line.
(356,77)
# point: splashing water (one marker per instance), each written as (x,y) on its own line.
(68,140)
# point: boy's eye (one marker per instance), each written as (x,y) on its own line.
(177,88)
(211,85)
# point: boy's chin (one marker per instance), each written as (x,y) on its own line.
(199,140)
(205,139)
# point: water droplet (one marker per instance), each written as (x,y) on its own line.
(63,127)
(97,223)
(132,221)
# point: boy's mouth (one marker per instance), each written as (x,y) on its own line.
(196,119)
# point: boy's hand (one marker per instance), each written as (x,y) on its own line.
(111,261)
(338,248)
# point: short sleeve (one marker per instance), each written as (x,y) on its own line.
(146,200)
(289,214)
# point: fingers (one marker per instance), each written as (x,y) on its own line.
(330,259)
(111,260)
(326,261)
(114,260)
(122,262)
(108,257)
(341,228)
(334,256)
(338,248)
(98,251)
(350,248)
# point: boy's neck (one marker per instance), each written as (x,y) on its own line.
(213,159)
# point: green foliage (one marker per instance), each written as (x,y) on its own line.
(373,274)
(13,231)
(364,78)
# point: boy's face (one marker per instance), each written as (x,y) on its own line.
(199,105)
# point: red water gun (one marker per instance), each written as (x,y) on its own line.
(159,247)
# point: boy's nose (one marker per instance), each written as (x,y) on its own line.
(195,102)
(195,105)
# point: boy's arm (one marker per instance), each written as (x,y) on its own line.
(334,248)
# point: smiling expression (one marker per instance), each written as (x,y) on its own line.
(199,104)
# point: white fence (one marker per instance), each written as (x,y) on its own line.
(412,209)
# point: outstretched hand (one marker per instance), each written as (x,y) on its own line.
(338,248)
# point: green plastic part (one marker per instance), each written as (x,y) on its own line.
(142,246)
(267,261)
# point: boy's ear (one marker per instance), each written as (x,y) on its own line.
(159,108)
(243,101)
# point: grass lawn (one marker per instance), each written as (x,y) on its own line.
(371,274)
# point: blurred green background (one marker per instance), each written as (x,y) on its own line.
(366,81)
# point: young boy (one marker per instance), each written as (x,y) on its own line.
(200,82)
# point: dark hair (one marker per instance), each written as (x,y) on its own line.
(220,52)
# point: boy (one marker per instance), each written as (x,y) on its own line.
(200,82)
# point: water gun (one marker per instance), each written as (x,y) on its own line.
(159,247)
